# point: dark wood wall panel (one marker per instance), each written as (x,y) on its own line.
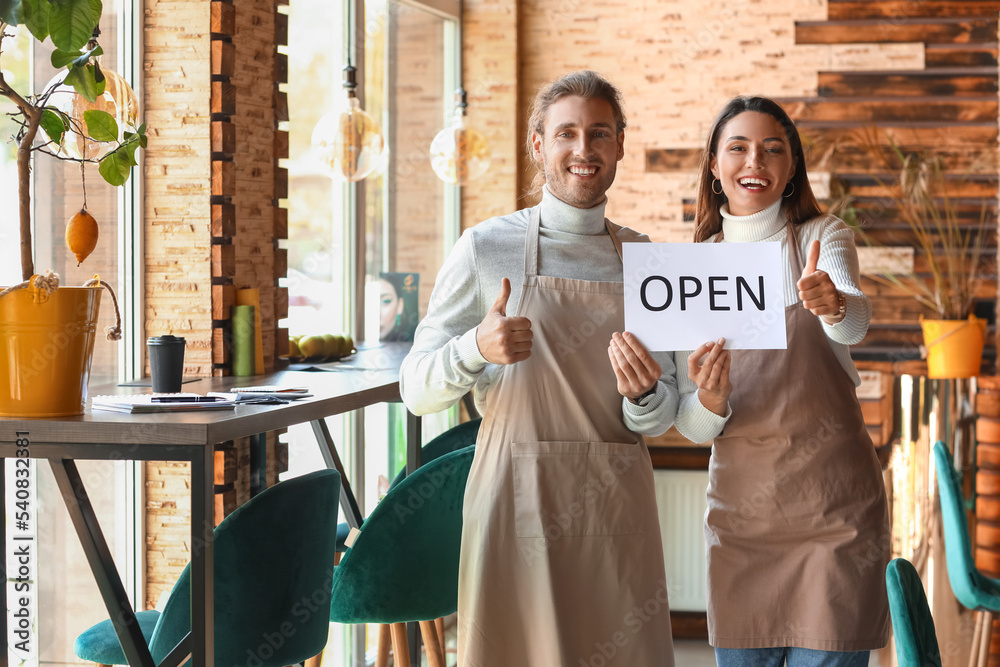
(899,29)
(960,55)
(840,10)
(941,82)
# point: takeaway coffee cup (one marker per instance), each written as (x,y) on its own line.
(166,362)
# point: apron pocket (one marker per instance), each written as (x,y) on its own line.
(580,488)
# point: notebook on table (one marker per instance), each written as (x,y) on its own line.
(144,403)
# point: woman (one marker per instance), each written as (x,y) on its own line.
(797,526)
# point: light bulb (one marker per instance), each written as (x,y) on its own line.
(348,141)
(459,153)
(118,99)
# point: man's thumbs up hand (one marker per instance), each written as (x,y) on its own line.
(816,290)
(500,305)
(502,339)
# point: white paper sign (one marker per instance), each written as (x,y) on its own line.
(681,295)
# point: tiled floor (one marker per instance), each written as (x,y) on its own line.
(695,653)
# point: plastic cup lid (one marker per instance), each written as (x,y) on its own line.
(164,340)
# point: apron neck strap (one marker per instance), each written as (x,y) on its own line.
(794,254)
(531,240)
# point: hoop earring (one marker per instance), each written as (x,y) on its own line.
(719,191)
(790,193)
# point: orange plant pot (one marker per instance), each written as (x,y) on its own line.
(954,347)
(46,347)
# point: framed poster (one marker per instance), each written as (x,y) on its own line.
(398,306)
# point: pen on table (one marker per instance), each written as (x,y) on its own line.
(185,399)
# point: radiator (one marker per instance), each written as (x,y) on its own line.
(680,500)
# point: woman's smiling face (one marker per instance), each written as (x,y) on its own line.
(753,161)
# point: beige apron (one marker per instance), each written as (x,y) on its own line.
(797,528)
(561,563)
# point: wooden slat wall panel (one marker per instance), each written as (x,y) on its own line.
(865,9)
(888,109)
(960,55)
(935,30)
(929,83)
(950,106)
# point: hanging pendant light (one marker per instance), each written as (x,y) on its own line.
(347,140)
(460,153)
(118,99)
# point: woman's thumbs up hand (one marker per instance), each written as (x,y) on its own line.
(816,290)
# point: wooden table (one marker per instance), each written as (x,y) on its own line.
(370,377)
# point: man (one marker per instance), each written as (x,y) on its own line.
(561,560)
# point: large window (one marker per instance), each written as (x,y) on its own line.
(66,599)
(343,236)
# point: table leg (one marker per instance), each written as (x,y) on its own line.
(328,449)
(414,438)
(101,563)
(202,561)
(258,463)
(413,442)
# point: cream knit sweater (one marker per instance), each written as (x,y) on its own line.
(838,257)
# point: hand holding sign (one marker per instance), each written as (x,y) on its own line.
(708,367)
(635,369)
(502,339)
(816,290)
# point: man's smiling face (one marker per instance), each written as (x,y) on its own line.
(580,150)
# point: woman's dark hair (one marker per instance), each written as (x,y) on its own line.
(583,83)
(800,206)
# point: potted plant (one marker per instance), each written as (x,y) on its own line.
(949,245)
(46,331)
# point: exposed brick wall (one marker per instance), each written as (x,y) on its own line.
(207,179)
(492,81)
(178,297)
(676,63)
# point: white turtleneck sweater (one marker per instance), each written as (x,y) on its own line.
(837,256)
(445,363)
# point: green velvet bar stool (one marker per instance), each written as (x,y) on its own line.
(403,566)
(270,554)
(972,589)
(912,624)
(455,438)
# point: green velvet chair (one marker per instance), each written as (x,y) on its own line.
(457,437)
(912,624)
(270,554)
(972,589)
(403,566)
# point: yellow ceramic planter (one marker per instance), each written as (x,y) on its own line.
(954,347)
(46,346)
